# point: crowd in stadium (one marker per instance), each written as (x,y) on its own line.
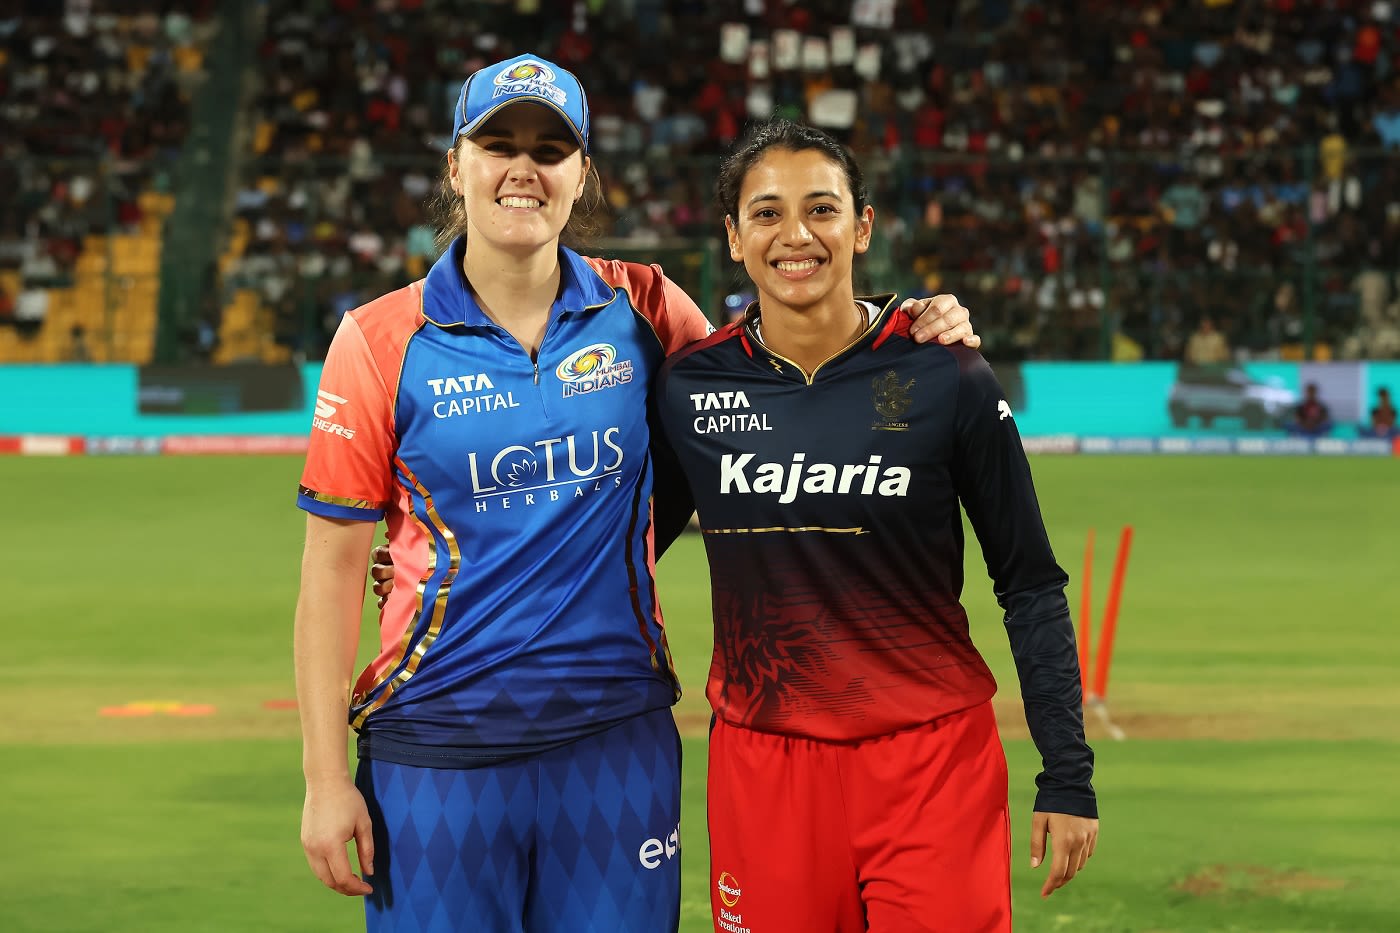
(94,106)
(1092,178)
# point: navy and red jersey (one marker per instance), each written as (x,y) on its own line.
(830,510)
(518,497)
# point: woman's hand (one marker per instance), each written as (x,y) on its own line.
(382,572)
(940,317)
(334,814)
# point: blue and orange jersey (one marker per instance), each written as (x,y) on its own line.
(517,492)
(830,508)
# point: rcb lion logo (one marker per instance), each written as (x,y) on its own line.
(892,402)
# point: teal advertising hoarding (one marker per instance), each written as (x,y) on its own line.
(1126,402)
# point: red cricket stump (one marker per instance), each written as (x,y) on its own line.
(1110,617)
(1086,613)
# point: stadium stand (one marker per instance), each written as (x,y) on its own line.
(95,108)
(1093,178)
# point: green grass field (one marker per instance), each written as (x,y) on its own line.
(1255,675)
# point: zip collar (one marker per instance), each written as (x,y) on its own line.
(448,300)
(880,323)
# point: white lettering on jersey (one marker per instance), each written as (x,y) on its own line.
(729,889)
(461,398)
(787,479)
(726,401)
(326,403)
(718,424)
(730,922)
(450,408)
(461,385)
(1004,410)
(616,375)
(544,463)
(652,850)
(326,407)
(709,401)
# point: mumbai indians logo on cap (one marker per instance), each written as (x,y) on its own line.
(529,77)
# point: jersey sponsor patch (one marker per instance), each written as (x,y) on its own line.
(547,470)
(709,401)
(728,917)
(721,424)
(654,850)
(327,405)
(729,890)
(468,394)
(593,368)
(738,417)
(739,474)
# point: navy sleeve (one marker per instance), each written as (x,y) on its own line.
(672,503)
(993,480)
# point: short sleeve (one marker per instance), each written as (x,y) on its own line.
(680,320)
(349,462)
(674,315)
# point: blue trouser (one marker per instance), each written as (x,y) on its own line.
(581,838)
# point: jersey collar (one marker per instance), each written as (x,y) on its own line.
(448,301)
(877,328)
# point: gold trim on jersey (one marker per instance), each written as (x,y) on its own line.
(804,528)
(339,500)
(870,325)
(454,557)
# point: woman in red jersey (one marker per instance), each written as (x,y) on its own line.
(856,777)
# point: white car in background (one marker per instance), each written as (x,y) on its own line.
(1210,392)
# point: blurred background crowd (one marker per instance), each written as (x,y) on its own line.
(1202,180)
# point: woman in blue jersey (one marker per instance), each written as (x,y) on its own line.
(518,763)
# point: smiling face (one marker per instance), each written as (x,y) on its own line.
(519,176)
(796,229)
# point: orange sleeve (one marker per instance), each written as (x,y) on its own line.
(676,318)
(349,462)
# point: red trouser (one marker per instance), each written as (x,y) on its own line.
(900,833)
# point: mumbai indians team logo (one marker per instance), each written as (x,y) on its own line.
(892,402)
(529,77)
(593,368)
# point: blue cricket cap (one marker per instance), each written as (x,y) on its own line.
(523,78)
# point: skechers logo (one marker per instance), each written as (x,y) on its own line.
(326,407)
(326,403)
(653,850)
(787,479)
